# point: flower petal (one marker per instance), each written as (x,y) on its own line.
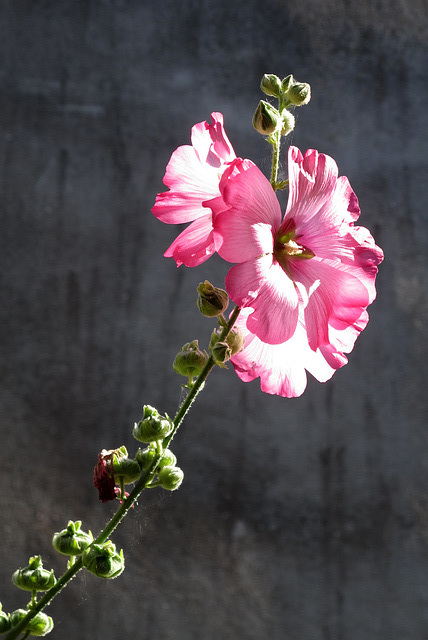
(190,182)
(211,142)
(246,228)
(264,286)
(194,245)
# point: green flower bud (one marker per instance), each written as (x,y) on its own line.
(153,426)
(211,301)
(145,457)
(286,83)
(168,459)
(191,360)
(40,625)
(125,468)
(72,541)
(288,122)
(271,85)
(299,94)
(5,622)
(221,352)
(266,119)
(235,340)
(170,477)
(103,560)
(34,577)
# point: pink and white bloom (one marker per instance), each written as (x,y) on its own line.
(304,281)
(192,176)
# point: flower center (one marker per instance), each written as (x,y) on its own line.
(287,248)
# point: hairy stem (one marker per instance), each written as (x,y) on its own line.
(145,479)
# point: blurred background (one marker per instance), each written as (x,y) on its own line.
(302,519)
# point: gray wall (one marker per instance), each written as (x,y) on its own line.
(298,519)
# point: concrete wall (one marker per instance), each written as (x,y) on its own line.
(298,519)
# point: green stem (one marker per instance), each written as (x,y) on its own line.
(145,479)
(276,144)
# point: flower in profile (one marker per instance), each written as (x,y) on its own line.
(103,477)
(304,281)
(192,176)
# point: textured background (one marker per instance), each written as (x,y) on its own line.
(298,519)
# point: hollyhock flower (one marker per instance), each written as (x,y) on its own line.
(193,175)
(306,280)
(282,367)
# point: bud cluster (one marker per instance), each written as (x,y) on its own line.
(168,475)
(268,120)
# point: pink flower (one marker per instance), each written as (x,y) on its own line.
(193,175)
(305,281)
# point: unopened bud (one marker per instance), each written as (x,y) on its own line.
(34,577)
(271,85)
(266,119)
(153,426)
(5,623)
(72,541)
(103,560)
(299,94)
(191,360)
(145,457)
(124,468)
(168,459)
(39,625)
(235,340)
(221,352)
(286,83)
(288,122)
(170,478)
(211,300)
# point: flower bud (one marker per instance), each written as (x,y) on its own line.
(72,541)
(288,122)
(125,468)
(286,83)
(271,85)
(34,577)
(153,426)
(221,352)
(103,560)
(191,360)
(168,459)
(266,119)
(211,301)
(5,623)
(170,478)
(145,457)
(299,94)
(235,340)
(40,625)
